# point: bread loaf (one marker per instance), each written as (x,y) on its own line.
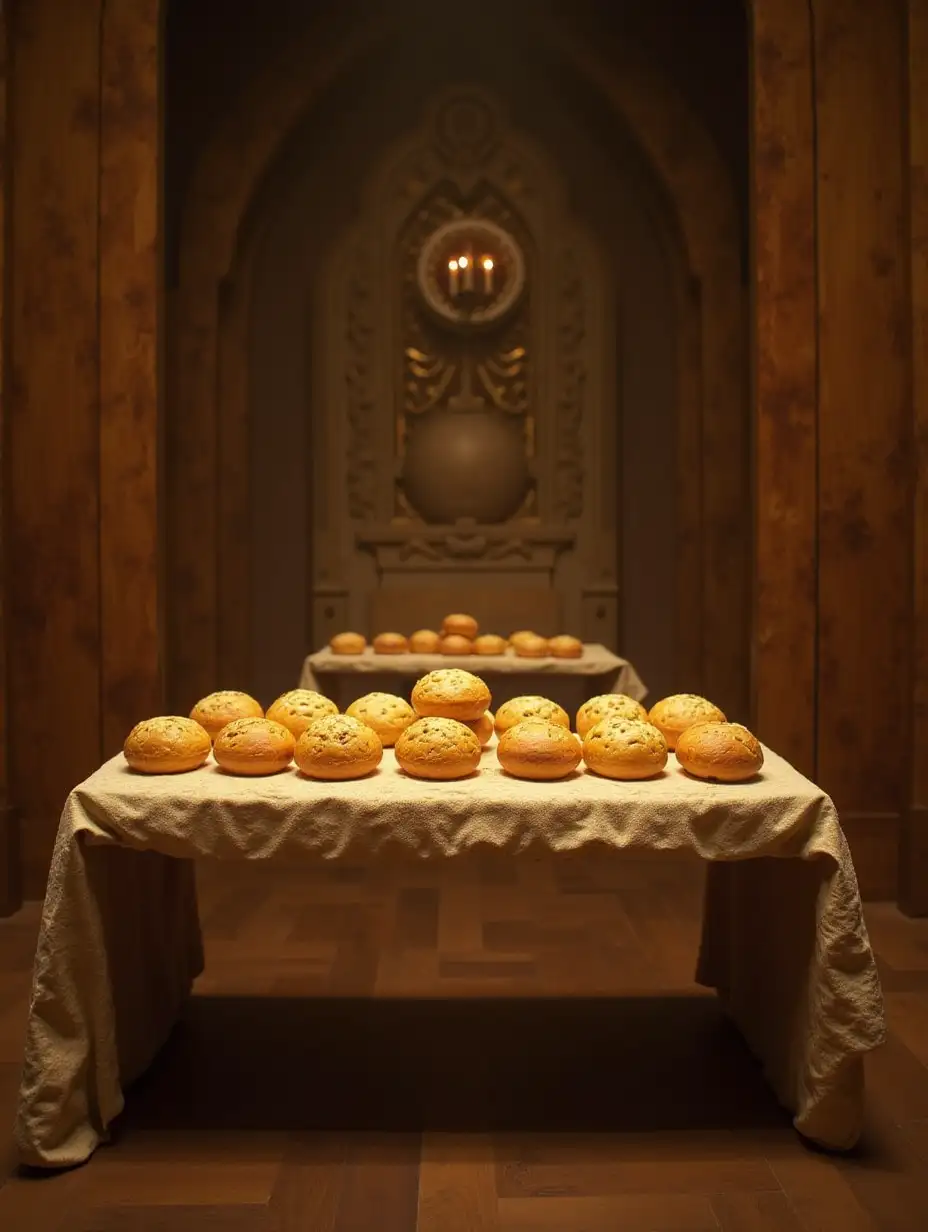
(460,624)
(455,644)
(424,641)
(253,747)
(620,748)
(168,744)
(299,709)
(435,748)
(347,644)
(451,693)
(607,706)
(390,643)
(383,713)
(518,709)
(489,644)
(215,710)
(673,715)
(537,749)
(338,748)
(565,647)
(723,752)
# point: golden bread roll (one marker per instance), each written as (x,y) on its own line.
(299,709)
(724,752)
(565,647)
(455,644)
(460,624)
(451,693)
(532,647)
(482,728)
(537,749)
(620,748)
(435,748)
(390,643)
(489,644)
(673,715)
(347,644)
(338,748)
(520,635)
(168,744)
(254,746)
(518,709)
(214,711)
(608,706)
(425,641)
(383,713)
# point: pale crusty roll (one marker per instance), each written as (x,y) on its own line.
(619,748)
(338,748)
(673,715)
(450,693)
(520,635)
(299,709)
(608,706)
(215,710)
(390,643)
(723,752)
(347,644)
(565,647)
(537,749)
(489,644)
(455,644)
(253,747)
(518,709)
(533,647)
(169,744)
(482,728)
(461,624)
(383,713)
(424,641)
(435,748)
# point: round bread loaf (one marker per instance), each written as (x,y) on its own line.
(347,644)
(390,643)
(531,647)
(299,709)
(168,744)
(215,710)
(608,706)
(253,747)
(518,709)
(455,644)
(383,713)
(489,644)
(435,748)
(673,715)
(338,748)
(451,693)
(482,728)
(520,635)
(724,752)
(620,748)
(565,647)
(537,749)
(461,624)
(425,641)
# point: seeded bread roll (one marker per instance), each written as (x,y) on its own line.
(673,715)
(518,709)
(537,749)
(482,727)
(253,747)
(608,706)
(451,693)
(425,641)
(489,644)
(531,647)
(619,748)
(565,647)
(390,643)
(455,644)
(347,644)
(214,711)
(338,748)
(520,635)
(168,744)
(723,752)
(383,713)
(299,709)
(460,624)
(435,748)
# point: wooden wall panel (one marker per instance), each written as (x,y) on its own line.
(784,378)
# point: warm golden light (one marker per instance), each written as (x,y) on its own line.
(463,262)
(487,263)
(453,265)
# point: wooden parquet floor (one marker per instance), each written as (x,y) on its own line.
(484,1047)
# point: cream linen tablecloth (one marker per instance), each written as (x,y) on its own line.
(784,939)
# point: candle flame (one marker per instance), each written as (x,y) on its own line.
(452,265)
(463,262)
(487,263)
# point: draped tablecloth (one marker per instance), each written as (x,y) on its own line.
(784,940)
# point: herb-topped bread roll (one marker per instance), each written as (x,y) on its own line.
(455,644)
(451,693)
(460,624)
(518,709)
(435,748)
(390,643)
(531,647)
(215,710)
(338,748)
(489,644)
(347,644)
(482,728)
(384,713)
(254,747)
(299,709)
(537,749)
(424,641)
(168,744)
(619,748)
(723,752)
(607,706)
(673,715)
(565,647)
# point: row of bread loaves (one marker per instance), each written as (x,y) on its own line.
(460,635)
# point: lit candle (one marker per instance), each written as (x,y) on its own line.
(487,275)
(467,266)
(453,277)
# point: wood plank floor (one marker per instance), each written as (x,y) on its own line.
(487,1047)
